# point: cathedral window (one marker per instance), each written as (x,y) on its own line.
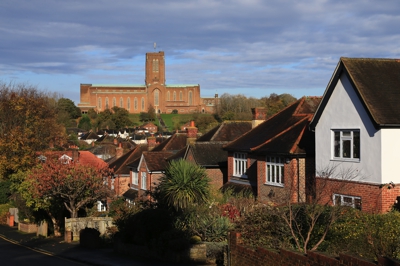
(107,105)
(114,102)
(135,104)
(174,96)
(155,65)
(190,98)
(156,97)
(142,104)
(121,102)
(168,96)
(128,103)
(99,104)
(180,96)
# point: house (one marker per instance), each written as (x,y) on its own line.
(150,127)
(207,151)
(275,159)
(357,134)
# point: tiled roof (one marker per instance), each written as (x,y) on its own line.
(377,83)
(209,153)
(227,131)
(84,157)
(282,133)
(176,142)
(156,161)
(120,165)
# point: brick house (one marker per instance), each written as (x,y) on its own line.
(150,127)
(276,158)
(207,151)
(357,133)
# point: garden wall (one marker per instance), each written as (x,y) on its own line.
(75,225)
(240,255)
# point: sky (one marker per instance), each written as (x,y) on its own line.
(249,47)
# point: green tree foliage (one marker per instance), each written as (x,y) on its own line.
(27,125)
(151,113)
(183,185)
(85,123)
(92,114)
(68,106)
(5,191)
(274,103)
(116,118)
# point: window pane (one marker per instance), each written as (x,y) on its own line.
(337,144)
(273,173)
(282,174)
(268,173)
(346,148)
(356,144)
(346,133)
(357,203)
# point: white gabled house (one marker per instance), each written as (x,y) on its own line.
(357,135)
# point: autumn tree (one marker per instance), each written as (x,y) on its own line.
(73,184)
(27,125)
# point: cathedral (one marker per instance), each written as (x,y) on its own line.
(164,98)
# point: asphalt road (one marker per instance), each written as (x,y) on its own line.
(12,253)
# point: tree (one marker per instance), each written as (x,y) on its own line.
(75,185)
(151,113)
(68,106)
(183,185)
(85,123)
(92,113)
(27,125)
(120,117)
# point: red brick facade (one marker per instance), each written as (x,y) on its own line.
(374,198)
(156,93)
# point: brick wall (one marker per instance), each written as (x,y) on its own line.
(374,198)
(241,255)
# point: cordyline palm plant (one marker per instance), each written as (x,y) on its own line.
(184,184)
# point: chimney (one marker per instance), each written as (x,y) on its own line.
(119,151)
(259,116)
(75,154)
(115,141)
(191,132)
(151,142)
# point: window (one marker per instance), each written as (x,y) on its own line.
(135,104)
(174,96)
(107,106)
(114,102)
(128,103)
(190,98)
(99,104)
(144,180)
(168,96)
(142,104)
(156,97)
(239,164)
(180,96)
(121,102)
(275,171)
(135,178)
(344,200)
(155,65)
(346,144)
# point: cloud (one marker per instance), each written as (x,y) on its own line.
(223,45)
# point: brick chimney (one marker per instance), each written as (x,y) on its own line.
(119,151)
(75,154)
(259,116)
(151,142)
(191,132)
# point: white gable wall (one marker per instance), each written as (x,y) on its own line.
(345,111)
(390,155)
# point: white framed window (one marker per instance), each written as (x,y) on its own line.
(144,180)
(346,144)
(275,170)
(240,164)
(135,178)
(345,200)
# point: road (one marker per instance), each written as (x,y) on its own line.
(14,254)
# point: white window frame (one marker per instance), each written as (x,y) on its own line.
(135,178)
(240,164)
(143,181)
(346,200)
(275,171)
(342,136)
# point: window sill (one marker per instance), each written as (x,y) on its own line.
(274,184)
(241,176)
(346,160)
